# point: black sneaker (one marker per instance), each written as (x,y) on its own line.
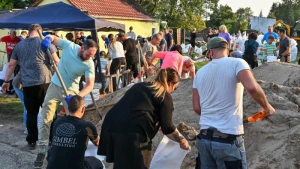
(39,162)
(31,146)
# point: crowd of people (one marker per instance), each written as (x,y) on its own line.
(275,44)
(38,85)
(147,107)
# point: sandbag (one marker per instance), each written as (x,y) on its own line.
(168,155)
(294,52)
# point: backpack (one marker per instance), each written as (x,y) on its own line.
(249,50)
(249,55)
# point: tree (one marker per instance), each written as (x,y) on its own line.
(287,10)
(17,4)
(6,4)
(261,14)
(244,13)
(178,13)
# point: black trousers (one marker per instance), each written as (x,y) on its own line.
(103,81)
(133,66)
(33,99)
(251,60)
(114,67)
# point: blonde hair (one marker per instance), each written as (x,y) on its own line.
(223,27)
(160,82)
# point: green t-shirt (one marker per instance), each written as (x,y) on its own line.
(270,49)
(71,66)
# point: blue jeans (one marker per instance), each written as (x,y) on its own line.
(21,97)
(215,155)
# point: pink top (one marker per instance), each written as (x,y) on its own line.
(171,59)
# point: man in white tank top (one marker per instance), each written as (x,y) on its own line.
(218,98)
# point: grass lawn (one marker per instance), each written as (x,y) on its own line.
(198,65)
(11,106)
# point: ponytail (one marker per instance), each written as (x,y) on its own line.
(161,80)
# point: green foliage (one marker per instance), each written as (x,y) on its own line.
(6,4)
(287,10)
(234,22)
(261,14)
(185,14)
(17,4)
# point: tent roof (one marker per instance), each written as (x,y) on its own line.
(58,16)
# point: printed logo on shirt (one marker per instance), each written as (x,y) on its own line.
(10,45)
(64,136)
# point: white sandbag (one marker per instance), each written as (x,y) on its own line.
(239,44)
(293,42)
(182,46)
(185,50)
(88,99)
(272,59)
(260,52)
(168,155)
(188,46)
(294,52)
(3,72)
(92,151)
(198,50)
(259,39)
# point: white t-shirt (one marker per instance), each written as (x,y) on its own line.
(116,51)
(221,95)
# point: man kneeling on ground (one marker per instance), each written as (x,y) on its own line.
(70,138)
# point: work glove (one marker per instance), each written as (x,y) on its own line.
(46,43)
(68,98)
(46,33)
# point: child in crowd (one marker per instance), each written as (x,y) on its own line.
(104,70)
(269,49)
(191,52)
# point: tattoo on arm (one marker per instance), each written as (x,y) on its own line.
(176,136)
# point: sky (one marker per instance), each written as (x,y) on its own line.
(255,5)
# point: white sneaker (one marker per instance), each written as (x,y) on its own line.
(25,131)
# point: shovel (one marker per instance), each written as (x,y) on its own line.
(60,78)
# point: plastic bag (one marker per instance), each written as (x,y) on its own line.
(294,52)
(168,155)
(260,52)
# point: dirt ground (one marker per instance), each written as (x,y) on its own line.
(270,144)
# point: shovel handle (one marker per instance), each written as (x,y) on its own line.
(96,107)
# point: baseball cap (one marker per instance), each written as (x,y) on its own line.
(217,42)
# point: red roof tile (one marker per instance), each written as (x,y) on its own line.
(107,9)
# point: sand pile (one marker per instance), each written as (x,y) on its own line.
(271,143)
